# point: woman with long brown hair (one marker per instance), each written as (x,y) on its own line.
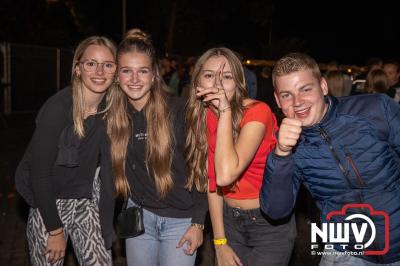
(229,138)
(146,130)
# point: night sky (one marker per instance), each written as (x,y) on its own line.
(328,30)
(349,31)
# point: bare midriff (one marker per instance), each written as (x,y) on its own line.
(245,204)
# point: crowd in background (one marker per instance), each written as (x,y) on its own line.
(378,77)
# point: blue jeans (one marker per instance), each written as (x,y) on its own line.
(256,241)
(157,246)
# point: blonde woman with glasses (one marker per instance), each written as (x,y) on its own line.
(62,183)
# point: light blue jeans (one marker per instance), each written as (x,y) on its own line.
(157,246)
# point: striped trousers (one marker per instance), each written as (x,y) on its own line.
(80,218)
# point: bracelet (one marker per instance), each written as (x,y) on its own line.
(225,109)
(220,241)
(56,234)
(199,226)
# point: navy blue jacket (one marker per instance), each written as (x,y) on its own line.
(351,156)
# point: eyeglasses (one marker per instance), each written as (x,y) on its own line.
(91,66)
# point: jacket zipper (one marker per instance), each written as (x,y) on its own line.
(355,169)
(327,139)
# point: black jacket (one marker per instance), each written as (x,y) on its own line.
(57,164)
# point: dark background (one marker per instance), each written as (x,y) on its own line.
(347,31)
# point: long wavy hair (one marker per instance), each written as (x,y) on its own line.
(196,126)
(78,101)
(160,138)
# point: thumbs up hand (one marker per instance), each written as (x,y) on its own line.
(289,133)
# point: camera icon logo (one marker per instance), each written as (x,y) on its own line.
(339,233)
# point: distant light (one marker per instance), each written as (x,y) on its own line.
(248,62)
(349,70)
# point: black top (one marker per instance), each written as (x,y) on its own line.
(63,166)
(179,202)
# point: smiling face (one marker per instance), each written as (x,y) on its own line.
(97,80)
(303,91)
(136,77)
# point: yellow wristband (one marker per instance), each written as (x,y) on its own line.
(220,241)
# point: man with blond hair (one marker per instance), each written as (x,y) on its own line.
(346,151)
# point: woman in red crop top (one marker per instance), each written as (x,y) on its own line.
(229,138)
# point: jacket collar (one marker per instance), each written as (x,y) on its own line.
(327,120)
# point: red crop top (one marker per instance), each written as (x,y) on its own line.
(249,183)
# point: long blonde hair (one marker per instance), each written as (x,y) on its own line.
(160,138)
(78,101)
(196,127)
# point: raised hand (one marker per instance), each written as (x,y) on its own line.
(289,133)
(216,94)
